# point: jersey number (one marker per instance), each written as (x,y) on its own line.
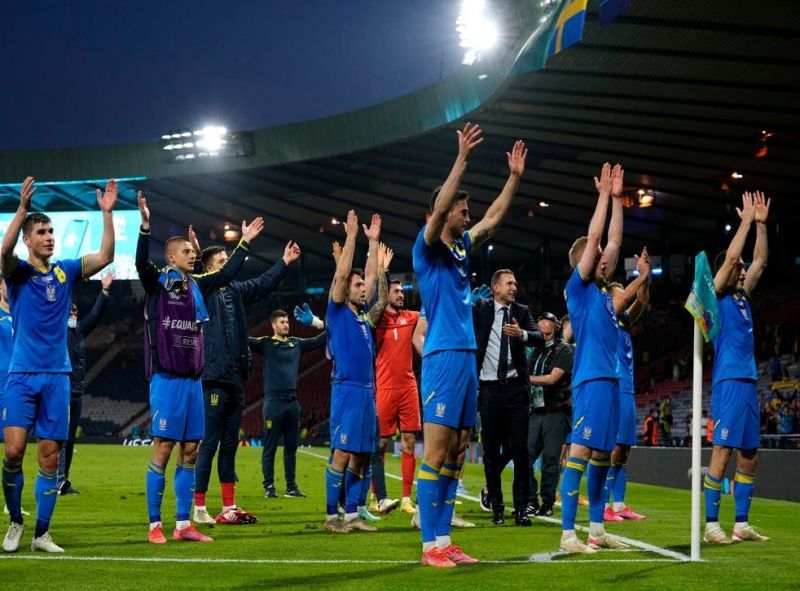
(396,338)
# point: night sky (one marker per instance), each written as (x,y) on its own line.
(92,72)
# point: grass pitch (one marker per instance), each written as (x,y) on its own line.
(104,533)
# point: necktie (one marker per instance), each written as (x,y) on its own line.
(502,364)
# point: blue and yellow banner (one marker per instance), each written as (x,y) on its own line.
(702,300)
(569,26)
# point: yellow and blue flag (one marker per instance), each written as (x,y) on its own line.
(702,300)
(569,26)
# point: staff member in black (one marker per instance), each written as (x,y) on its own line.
(77,331)
(502,330)
(281,354)
(550,375)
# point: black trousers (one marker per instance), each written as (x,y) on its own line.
(546,435)
(281,419)
(224,402)
(67,450)
(504,425)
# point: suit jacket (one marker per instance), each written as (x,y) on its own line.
(483,318)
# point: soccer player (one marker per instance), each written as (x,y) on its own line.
(734,399)
(77,331)
(226,368)
(449,372)
(281,354)
(174,313)
(350,344)
(595,381)
(397,396)
(628,313)
(37,390)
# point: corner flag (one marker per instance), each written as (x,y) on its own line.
(702,300)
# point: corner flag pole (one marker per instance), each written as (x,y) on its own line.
(697,411)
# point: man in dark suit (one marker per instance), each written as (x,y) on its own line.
(503,328)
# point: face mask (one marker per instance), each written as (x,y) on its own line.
(72,322)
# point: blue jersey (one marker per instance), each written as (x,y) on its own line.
(734,357)
(350,345)
(40,303)
(443,278)
(625,355)
(595,326)
(6,332)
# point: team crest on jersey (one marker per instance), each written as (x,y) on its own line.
(214,399)
(440,409)
(724,434)
(269,424)
(587,432)
(51,293)
(60,275)
(162,424)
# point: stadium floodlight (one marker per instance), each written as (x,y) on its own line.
(477,31)
(210,141)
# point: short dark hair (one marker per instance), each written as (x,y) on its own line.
(356,271)
(32,219)
(460,196)
(170,241)
(396,282)
(497,274)
(209,252)
(278,314)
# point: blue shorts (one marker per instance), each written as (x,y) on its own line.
(734,409)
(38,401)
(595,414)
(176,407)
(450,389)
(353,418)
(627,419)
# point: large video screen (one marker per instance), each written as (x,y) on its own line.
(79,232)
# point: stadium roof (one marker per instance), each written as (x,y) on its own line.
(679,92)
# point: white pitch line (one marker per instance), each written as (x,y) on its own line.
(630,541)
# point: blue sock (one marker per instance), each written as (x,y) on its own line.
(427,495)
(365,482)
(621,483)
(446,497)
(595,488)
(333,487)
(743,494)
(570,488)
(352,490)
(184,490)
(155,491)
(46,492)
(713,487)
(13,480)
(611,480)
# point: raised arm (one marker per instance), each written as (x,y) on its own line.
(640,303)
(734,252)
(208,282)
(260,287)
(629,294)
(9,259)
(373,234)
(484,229)
(468,139)
(598,223)
(89,322)
(761,252)
(376,311)
(97,261)
(313,342)
(611,251)
(148,272)
(345,263)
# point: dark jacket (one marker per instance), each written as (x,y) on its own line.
(226,329)
(543,361)
(282,362)
(76,344)
(483,318)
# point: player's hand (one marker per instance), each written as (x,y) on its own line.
(374,230)
(748,210)
(291,252)
(351,225)
(106,280)
(107,200)
(143,210)
(194,241)
(603,184)
(304,315)
(617,181)
(386,256)
(469,138)
(337,252)
(643,262)
(512,329)
(761,205)
(26,193)
(516,158)
(251,231)
(481,293)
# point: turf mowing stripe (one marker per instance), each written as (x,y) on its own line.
(671,554)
